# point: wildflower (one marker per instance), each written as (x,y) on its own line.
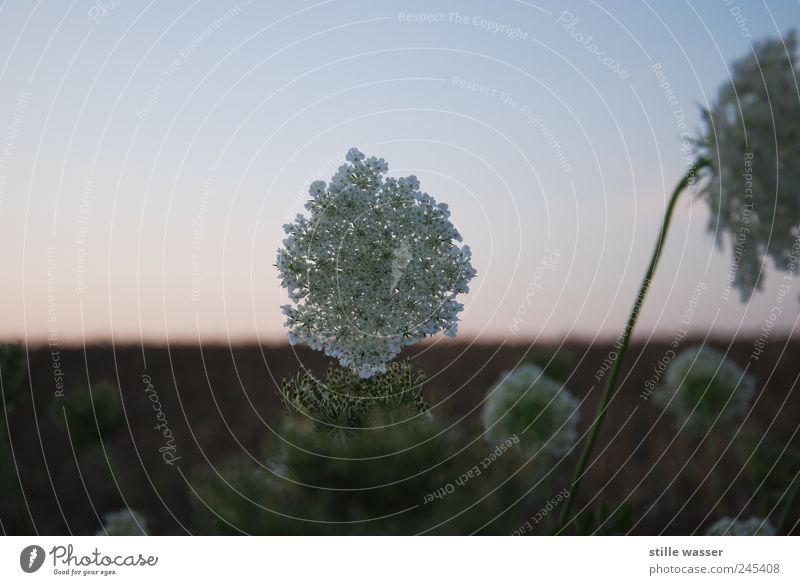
(752,152)
(374,267)
(751,527)
(537,409)
(704,386)
(125,522)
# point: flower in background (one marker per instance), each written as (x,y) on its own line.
(125,522)
(705,387)
(375,266)
(751,148)
(91,415)
(539,410)
(751,527)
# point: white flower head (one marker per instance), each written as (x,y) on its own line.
(537,409)
(752,146)
(751,527)
(702,385)
(123,522)
(375,266)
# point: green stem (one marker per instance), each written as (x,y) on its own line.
(594,431)
(783,521)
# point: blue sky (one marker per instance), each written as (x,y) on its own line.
(157,148)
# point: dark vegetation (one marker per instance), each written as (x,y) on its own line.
(221,407)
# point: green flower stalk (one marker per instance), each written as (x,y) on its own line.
(755,118)
(613,375)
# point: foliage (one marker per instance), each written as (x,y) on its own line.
(401,474)
(605,520)
(93,414)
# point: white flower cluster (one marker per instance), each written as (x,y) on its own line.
(375,266)
(705,387)
(539,410)
(752,146)
(123,522)
(751,527)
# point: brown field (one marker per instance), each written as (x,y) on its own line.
(220,401)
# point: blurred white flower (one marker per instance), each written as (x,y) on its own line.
(375,266)
(539,410)
(123,522)
(752,146)
(751,527)
(702,385)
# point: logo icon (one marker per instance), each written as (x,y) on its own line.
(31,558)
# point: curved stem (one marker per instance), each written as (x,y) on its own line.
(594,431)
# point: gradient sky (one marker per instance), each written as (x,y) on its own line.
(153,151)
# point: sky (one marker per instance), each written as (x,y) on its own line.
(151,151)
